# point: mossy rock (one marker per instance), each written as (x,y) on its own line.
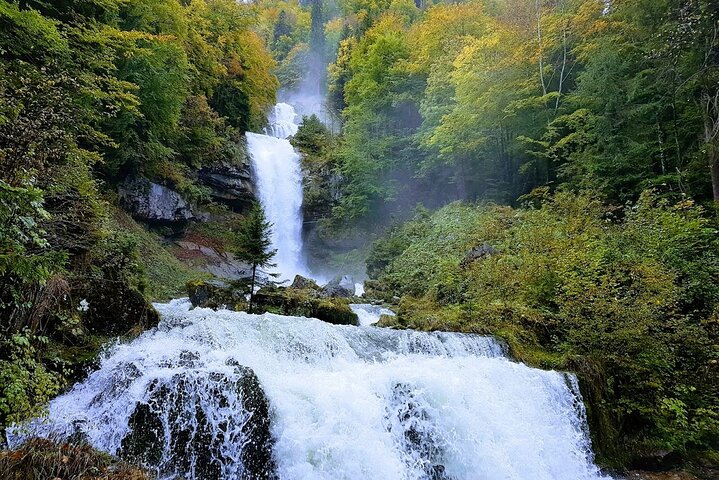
(116,309)
(75,361)
(304,303)
(217,294)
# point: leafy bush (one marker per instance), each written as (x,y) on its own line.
(25,384)
(627,298)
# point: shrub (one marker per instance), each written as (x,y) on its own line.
(626,298)
(40,459)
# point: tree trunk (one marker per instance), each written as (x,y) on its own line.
(564,65)
(710,105)
(714,167)
(538,8)
(252,287)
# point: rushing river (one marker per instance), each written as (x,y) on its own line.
(228,395)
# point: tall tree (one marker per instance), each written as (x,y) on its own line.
(254,244)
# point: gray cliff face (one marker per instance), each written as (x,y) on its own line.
(230,178)
(153,202)
(230,184)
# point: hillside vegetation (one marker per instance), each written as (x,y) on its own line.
(92,92)
(628,300)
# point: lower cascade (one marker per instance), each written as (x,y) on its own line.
(228,395)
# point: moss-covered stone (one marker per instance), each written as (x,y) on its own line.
(217,294)
(305,303)
(117,311)
(299,302)
(75,361)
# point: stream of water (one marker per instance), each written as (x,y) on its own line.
(228,395)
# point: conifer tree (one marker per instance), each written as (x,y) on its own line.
(254,244)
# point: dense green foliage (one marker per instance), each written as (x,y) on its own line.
(597,121)
(629,300)
(91,92)
(490,99)
(319,164)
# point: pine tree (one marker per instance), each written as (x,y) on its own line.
(254,244)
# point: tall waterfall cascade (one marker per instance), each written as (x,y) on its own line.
(227,395)
(277,170)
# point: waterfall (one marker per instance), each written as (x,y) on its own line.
(229,395)
(369,314)
(277,170)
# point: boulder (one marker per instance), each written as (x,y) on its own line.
(216,294)
(340,286)
(153,202)
(303,283)
(477,253)
(301,303)
(171,432)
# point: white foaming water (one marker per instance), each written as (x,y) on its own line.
(276,166)
(369,314)
(344,402)
(282,121)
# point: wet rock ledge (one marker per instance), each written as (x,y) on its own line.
(304,298)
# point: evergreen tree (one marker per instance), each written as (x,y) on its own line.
(282,27)
(254,244)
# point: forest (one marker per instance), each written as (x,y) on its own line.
(543,171)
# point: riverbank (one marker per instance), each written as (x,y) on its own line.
(626,302)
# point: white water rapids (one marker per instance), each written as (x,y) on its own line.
(369,314)
(325,402)
(277,170)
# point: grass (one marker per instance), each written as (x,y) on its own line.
(166,274)
(41,459)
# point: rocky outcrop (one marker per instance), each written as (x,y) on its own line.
(208,259)
(230,184)
(321,191)
(477,253)
(340,286)
(303,283)
(112,309)
(216,294)
(230,177)
(304,303)
(171,430)
(153,202)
